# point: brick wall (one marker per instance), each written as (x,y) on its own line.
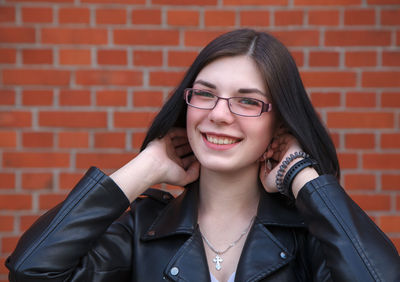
(81,80)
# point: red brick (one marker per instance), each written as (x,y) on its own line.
(298,38)
(37,180)
(109,140)
(325,99)
(181,58)
(74,139)
(360,120)
(360,141)
(357,38)
(8,244)
(347,160)
(37,15)
(164,78)
(35,160)
(37,56)
(324,18)
(391,182)
(137,139)
(147,58)
(7,181)
(45,1)
(146,16)
(147,98)
(74,98)
(200,37)
(390,223)
(298,57)
(37,139)
(111,98)
(254,18)
(69,180)
(360,182)
(183,18)
(383,2)
(8,139)
(36,77)
(102,160)
(115,1)
(133,119)
(112,57)
(390,17)
(48,201)
(361,99)
(381,79)
(255,2)
(15,119)
(146,37)
(359,17)
(186,2)
(8,55)
(391,58)
(73,119)
(285,18)
(7,97)
(75,57)
(7,223)
(381,161)
(390,140)
(37,97)
(16,202)
(329,79)
(373,202)
(361,58)
(219,18)
(390,99)
(326,2)
(111,16)
(324,59)
(74,36)
(109,77)
(12,34)
(74,15)
(7,14)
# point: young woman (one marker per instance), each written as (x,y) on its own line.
(237,130)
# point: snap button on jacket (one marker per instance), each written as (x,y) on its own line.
(91,236)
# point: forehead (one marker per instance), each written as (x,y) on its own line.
(230,73)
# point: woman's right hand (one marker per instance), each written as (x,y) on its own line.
(165,160)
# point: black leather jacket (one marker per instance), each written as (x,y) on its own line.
(324,237)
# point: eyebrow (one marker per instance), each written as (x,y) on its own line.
(241,90)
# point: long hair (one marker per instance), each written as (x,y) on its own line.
(286,90)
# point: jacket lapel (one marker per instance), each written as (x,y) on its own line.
(264,252)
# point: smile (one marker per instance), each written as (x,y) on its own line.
(221,140)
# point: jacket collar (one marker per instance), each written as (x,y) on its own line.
(180,216)
(262,253)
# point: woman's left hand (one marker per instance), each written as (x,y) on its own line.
(281,147)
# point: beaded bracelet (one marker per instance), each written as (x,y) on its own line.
(284,165)
(286,188)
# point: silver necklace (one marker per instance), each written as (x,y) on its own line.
(218,259)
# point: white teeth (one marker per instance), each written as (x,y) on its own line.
(220,141)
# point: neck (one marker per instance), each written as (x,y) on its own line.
(229,194)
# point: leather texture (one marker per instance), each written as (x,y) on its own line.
(91,236)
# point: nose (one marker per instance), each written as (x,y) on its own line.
(221,112)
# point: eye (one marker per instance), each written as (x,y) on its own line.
(250,102)
(203,94)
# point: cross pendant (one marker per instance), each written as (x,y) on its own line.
(218,261)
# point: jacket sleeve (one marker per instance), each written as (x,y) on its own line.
(355,249)
(78,239)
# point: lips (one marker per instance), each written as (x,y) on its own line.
(220,139)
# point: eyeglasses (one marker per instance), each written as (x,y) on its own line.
(242,106)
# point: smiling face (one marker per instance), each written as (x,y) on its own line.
(221,140)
